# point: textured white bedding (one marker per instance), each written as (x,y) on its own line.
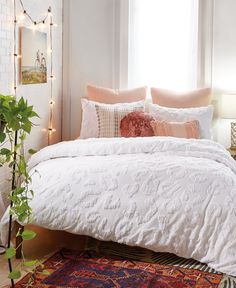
(165,194)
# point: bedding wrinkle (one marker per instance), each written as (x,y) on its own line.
(161,193)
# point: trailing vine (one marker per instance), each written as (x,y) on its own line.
(16,123)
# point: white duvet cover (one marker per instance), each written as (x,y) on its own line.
(164,194)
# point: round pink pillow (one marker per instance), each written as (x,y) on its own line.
(136,124)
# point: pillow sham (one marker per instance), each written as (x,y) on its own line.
(203,115)
(136,124)
(103,120)
(191,99)
(187,130)
(111,96)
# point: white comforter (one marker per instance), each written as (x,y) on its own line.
(165,194)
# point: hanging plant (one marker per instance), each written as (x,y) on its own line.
(15,124)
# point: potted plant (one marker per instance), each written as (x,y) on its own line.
(15,124)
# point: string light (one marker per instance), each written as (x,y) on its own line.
(17,55)
(52,130)
(34,25)
(42,25)
(22,16)
(52,102)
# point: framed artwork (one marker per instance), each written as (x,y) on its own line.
(33,57)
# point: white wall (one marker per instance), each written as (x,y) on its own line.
(89,54)
(37,95)
(224,59)
(93,50)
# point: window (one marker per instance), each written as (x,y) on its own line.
(163,39)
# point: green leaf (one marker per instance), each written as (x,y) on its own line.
(5,151)
(2,137)
(32,151)
(19,190)
(30,263)
(23,137)
(15,274)
(10,252)
(45,272)
(28,235)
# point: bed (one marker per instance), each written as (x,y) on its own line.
(162,193)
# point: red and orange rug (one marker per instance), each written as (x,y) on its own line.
(91,269)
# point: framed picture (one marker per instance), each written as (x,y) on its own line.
(34,57)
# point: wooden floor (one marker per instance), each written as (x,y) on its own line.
(45,244)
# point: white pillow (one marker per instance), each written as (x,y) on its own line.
(204,116)
(103,120)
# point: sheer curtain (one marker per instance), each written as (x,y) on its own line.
(163,42)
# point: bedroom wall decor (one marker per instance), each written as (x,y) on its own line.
(33,54)
(33,48)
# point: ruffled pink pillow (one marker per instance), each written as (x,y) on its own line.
(136,124)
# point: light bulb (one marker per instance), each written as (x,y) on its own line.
(50,12)
(22,16)
(51,130)
(42,25)
(52,102)
(17,56)
(34,26)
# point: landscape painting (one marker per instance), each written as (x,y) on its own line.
(34,57)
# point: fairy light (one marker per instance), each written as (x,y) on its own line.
(51,130)
(22,16)
(52,102)
(35,24)
(17,56)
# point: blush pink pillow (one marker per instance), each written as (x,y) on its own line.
(110,96)
(191,99)
(136,124)
(176,129)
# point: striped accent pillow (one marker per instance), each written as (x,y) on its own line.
(176,129)
(109,119)
(103,120)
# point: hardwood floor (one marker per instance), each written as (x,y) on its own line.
(43,246)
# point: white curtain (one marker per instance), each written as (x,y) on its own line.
(163,42)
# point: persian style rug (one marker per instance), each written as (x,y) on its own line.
(108,265)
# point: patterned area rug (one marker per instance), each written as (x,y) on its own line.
(108,265)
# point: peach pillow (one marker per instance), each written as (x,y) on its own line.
(110,96)
(191,99)
(176,129)
(136,124)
